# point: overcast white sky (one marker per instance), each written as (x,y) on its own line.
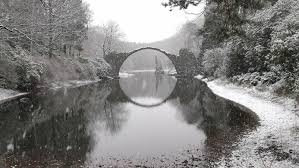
(140,20)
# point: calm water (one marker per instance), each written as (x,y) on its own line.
(138,118)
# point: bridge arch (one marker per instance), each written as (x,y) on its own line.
(185,63)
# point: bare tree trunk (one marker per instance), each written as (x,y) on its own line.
(104,46)
(64,48)
(32,26)
(50,8)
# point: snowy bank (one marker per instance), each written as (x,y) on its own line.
(125,75)
(263,94)
(6,95)
(23,71)
(199,77)
(275,142)
(72,83)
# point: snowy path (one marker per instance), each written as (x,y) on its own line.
(6,95)
(276,142)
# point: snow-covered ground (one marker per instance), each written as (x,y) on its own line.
(199,77)
(6,95)
(275,143)
(125,74)
(72,83)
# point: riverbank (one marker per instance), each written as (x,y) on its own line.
(6,95)
(24,71)
(276,142)
(262,92)
(220,134)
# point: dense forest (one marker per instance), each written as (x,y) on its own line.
(250,42)
(41,41)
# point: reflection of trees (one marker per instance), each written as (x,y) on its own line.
(53,126)
(223,121)
(158,80)
(61,138)
(113,116)
(195,97)
(186,89)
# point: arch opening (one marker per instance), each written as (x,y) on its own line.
(147,60)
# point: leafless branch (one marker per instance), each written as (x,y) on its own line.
(12,30)
(191,13)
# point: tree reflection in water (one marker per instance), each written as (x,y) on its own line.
(63,127)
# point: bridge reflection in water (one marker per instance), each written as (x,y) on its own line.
(95,124)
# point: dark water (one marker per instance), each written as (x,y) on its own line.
(140,118)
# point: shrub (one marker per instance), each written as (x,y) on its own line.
(215,62)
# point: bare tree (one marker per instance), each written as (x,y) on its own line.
(66,23)
(53,24)
(112,34)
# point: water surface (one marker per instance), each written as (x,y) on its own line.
(135,120)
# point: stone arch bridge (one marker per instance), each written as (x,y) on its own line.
(185,64)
